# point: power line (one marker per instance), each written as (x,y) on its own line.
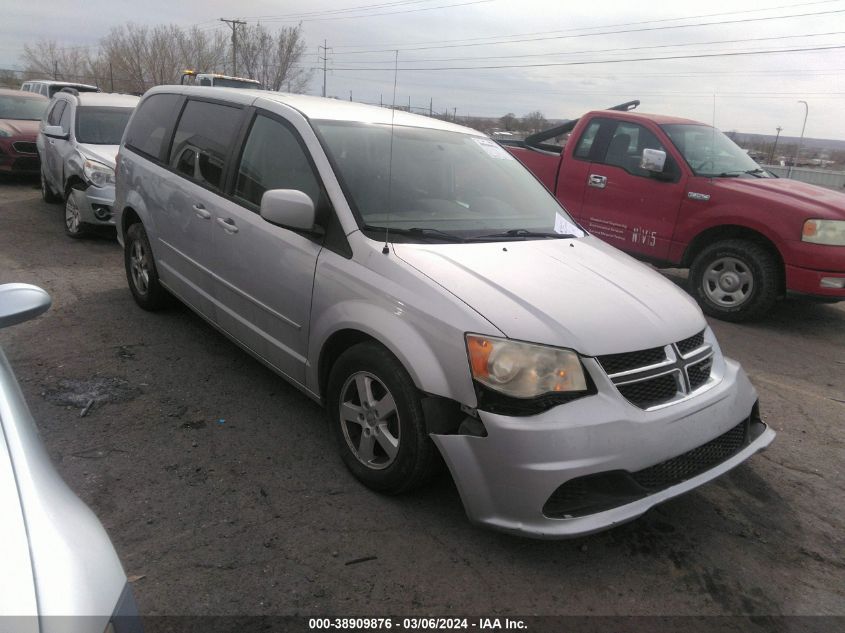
(604,26)
(602,50)
(640,30)
(334,11)
(372,15)
(614,61)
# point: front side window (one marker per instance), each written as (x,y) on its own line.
(711,153)
(101,126)
(626,148)
(154,118)
(273,159)
(438,180)
(56,112)
(208,129)
(65,120)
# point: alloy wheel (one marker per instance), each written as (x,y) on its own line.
(369,420)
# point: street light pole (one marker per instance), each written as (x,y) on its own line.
(775,146)
(801,141)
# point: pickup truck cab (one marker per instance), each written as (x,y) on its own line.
(747,236)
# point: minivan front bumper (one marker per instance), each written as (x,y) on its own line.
(507,478)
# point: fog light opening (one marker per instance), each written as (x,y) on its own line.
(102,212)
(833,282)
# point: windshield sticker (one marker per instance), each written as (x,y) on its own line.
(493,149)
(562,225)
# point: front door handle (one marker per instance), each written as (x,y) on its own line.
(228,225)
(201,211)
(599,182)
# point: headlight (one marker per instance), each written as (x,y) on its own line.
(98,174)
(5,133)
(830,232)
(524,370)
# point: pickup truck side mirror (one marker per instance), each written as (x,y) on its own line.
(288,208)
(56,131)
(21,302)
(653,160)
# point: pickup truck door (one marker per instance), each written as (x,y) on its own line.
(625,205)
(265,273)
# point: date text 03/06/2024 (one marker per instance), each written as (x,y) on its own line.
(416,624)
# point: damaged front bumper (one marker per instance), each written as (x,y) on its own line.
(96,205)
(599,461)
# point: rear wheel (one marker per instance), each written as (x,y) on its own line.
(141,272)
(736,280)
(376,416)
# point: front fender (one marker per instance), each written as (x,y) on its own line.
(403,341)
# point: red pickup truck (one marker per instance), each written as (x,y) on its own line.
(679,193)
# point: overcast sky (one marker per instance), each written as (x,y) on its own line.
(442,43)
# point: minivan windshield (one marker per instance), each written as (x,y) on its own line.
(441,184)
(23,108)
(711,153)
(100,125)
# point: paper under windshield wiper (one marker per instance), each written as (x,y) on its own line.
(523,233)
(419,232)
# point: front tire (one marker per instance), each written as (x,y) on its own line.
(736,280)
(377,420)
(74,226)
(141,272)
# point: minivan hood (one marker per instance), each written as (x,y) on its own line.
(824,203)
(581,294)
(106,154)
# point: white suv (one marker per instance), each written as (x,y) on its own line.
(78,141)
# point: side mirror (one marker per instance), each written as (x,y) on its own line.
(56,131)
(653,160)
(289,208)
(21,302)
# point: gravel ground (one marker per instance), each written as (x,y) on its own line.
(222,492)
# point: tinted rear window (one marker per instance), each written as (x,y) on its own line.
(201,143)
(153,120)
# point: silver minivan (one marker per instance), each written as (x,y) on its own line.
(414,278)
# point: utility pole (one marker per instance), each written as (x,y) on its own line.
(431,106)
(801,140)
(55,70)
(324,59)
(233,24)
(775,146)
(111,77)
(455,115)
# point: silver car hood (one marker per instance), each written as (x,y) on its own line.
(106,154)
(582,294)
(70,562)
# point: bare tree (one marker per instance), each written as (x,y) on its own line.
(273,58)
(132,57)
(534,121)
(508,121)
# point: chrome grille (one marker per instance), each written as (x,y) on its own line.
(657,376)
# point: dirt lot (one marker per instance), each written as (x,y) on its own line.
(221,490)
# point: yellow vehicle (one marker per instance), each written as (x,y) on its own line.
(192,78)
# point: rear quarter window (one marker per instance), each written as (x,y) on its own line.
(150,128)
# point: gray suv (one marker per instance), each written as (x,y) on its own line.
(78,141)
(414,278)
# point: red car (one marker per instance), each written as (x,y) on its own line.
(20,113)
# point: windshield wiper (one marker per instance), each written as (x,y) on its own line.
(524,233)
(757,173)
(419,232)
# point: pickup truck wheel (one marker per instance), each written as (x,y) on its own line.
(141,270)
(735,280)
(375,412)
(47,194)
